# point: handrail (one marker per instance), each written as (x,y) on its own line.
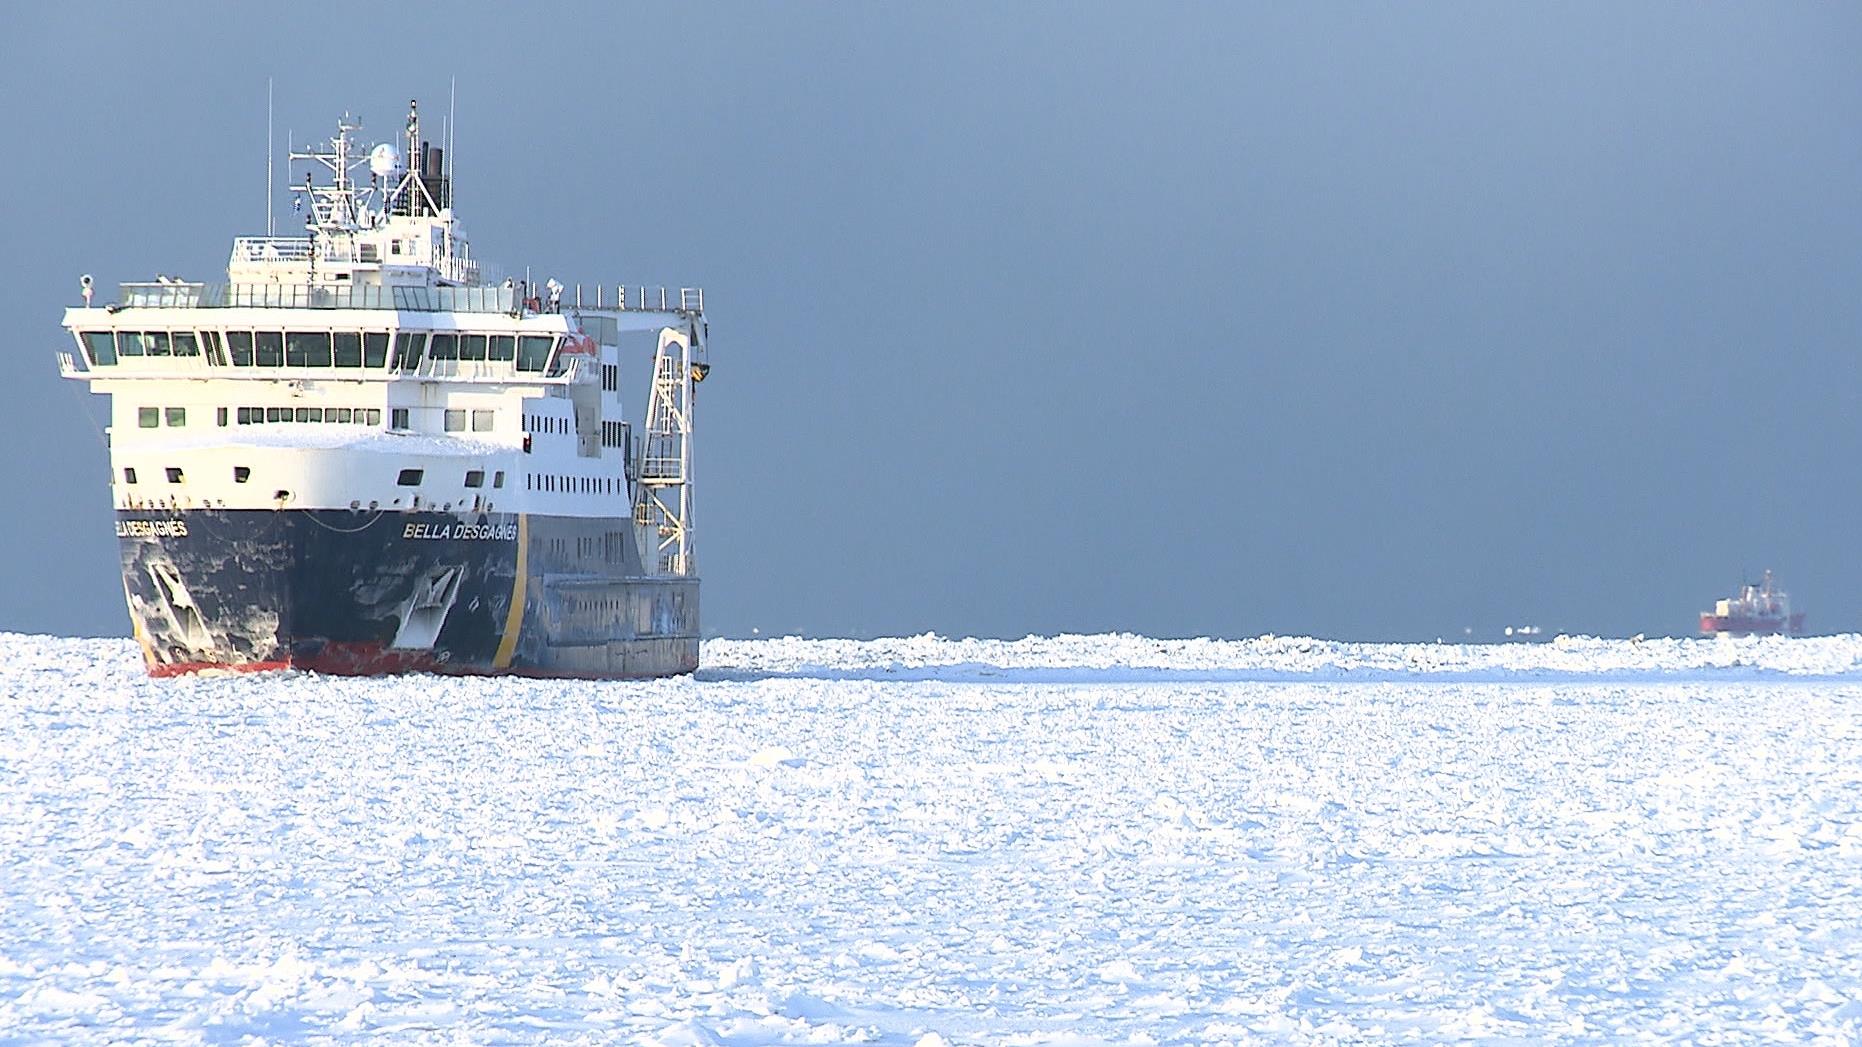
(469,298)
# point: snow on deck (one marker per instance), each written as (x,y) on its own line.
(923,841)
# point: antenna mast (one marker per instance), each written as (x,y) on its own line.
(452,165)
(271,220)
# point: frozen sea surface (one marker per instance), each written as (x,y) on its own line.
(921,841)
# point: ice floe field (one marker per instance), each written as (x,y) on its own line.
(1072,840)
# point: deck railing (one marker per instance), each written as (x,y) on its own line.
(481,298)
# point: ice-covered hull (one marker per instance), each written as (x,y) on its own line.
(361,592)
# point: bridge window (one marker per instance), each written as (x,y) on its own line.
(216,352)
(533,352)
(502,347)
(239,345)
(471,347)
(410,477)
(267,349)
(407,346)
(129,343)
(154,343)
(185,344)
(102,347)
(475,478)
(148,417)
(348,348)
(307,349)
(177,416)
(444,347)
(374,349)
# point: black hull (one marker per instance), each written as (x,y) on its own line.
(365,592)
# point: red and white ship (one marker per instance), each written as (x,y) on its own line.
(1758,610)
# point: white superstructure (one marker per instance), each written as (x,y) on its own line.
(364,366)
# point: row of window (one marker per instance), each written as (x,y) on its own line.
(407,478)
(266,415)
(456,420)
(473,478)
(401,350)
(572,484)
(154,417)
(542,423)
(614,434)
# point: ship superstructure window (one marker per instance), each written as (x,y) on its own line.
(374,349)
(148,417)
(475,478)
(502,347)
(185,345)
(129,474)
(410,477)
(307,349)
(471,347)
(102,348)
(497,478)
(407,349)
(216,349)
(481,421)
(267,349)
(397,418)
(241,473)
(455,421)
(610,378)
(533,352)
(348,348)
(177,416)
(174,474)
(219,415)
(444,347)
(239,346)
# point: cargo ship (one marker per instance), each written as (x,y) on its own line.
(365,453)
(1759,610)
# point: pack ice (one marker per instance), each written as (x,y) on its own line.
(924,842)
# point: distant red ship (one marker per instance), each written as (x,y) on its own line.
(1758,610)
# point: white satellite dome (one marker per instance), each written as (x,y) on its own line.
(384,161)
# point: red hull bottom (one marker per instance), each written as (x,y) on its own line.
(1736,625)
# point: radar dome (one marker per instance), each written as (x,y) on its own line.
(384,161)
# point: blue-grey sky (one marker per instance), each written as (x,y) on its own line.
(1358,321)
